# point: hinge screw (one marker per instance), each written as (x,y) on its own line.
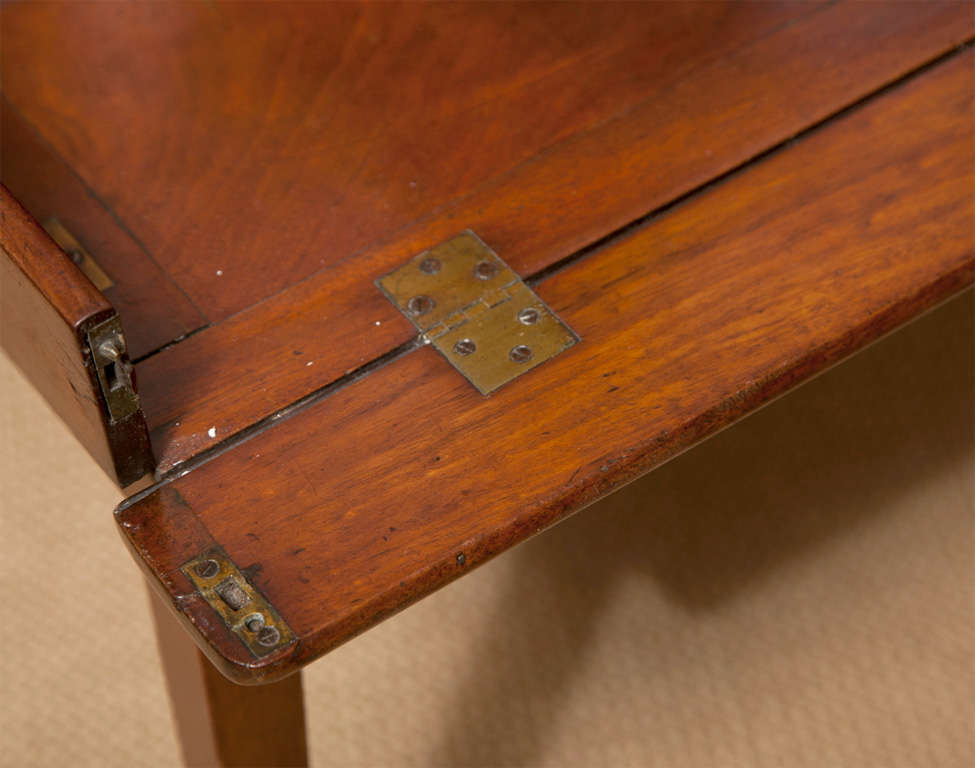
(419,305)
(528,316)
(521,354)
(430,265)
(268,636)
(485,270)
(207,569)
(464,347)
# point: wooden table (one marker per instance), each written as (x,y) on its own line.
(718,201)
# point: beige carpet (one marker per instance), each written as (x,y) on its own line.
(798,591)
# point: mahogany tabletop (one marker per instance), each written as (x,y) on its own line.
(715,201)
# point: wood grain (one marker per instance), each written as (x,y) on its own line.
(47,308)
(687,129)
(222,724)
(151,307)
(277,139)
(405,479)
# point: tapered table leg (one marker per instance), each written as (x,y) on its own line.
(220,723)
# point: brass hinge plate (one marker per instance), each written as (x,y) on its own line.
(476,311)
(244,610)
(77,253)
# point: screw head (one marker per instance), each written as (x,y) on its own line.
(521,353)
(268,637)
(528,316)
(430,265)
(76,256)
(109,350)
(254,622)
(207,569)
(464,347)
(419,305)
(485,270)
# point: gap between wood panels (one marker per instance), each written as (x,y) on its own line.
(284,413)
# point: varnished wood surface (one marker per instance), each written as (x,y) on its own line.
(70,294)
(708,113)
(222,724)
(46,308)
(390,487)
(249,145)
(152,308)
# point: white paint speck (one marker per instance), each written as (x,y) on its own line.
(308,363)
(379,322)
(212,431)
(219,272)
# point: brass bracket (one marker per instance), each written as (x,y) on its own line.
(244,610)
(107,344)
(77,253)
(476,311)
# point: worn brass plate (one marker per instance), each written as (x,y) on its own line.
(77,253)
(476,311)
(244,610)
(107,344)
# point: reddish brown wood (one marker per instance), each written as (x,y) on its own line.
(403,480)
(266,142)
(685,130)
(151,306)
(222,724)
(47,308)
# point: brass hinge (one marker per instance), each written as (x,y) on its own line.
(476,311)
(77,253)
